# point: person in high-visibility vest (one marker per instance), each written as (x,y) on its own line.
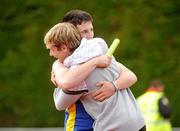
(155,107)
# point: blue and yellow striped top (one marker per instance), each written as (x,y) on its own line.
(77,119)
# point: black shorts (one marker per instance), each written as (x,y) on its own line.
(143,128)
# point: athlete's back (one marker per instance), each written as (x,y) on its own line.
(120,111)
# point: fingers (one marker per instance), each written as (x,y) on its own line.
(100,84)
(53,79)
(104,61)
(54,82)
(96,93)
(108,60)
(105,91)
(99,91)
(99,96)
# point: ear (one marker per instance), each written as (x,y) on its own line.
(54,48)
(64,47)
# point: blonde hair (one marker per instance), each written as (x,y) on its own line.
(63,33)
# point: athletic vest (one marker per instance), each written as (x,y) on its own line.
(76,118)
(148,103)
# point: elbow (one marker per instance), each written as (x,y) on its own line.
(59,108)
(59,102)
(65,84)
(133,78)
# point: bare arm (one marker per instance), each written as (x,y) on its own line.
(126,79)
(63,100)
(68,78)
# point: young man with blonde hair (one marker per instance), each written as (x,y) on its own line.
(120,111)
(82,121)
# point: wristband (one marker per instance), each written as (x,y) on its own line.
(115,87)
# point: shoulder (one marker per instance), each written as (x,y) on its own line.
(94,41)
(58,66)
(98,40)
(101,42)
(57,63)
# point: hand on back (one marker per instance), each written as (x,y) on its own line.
(103,61)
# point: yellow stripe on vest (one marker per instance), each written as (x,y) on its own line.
(72,116)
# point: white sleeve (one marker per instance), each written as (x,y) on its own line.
(87,50)
(63,100)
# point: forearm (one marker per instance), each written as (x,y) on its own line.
(63,100)
(74,76)
(126,79)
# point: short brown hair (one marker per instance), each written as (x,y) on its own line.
(76,17)
(156,83)
(63,33)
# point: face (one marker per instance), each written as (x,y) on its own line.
(61,53)
(86,30)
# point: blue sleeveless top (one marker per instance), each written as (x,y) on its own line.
(77,119)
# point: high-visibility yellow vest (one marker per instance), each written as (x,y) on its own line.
(148,103)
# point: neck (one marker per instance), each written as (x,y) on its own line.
(60,60)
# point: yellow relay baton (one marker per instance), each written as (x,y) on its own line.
(113,47)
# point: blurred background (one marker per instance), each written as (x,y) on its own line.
(150,47)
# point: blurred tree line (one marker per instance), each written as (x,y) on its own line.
(150,46)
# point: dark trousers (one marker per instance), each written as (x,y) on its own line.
(143,128)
